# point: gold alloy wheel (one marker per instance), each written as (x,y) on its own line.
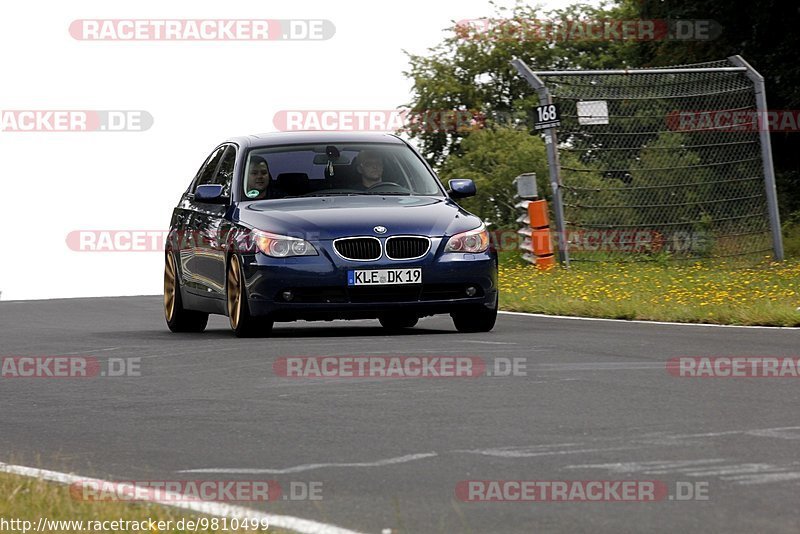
(234,292)
(169,287)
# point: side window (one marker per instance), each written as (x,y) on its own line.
(208,172)
(224,174)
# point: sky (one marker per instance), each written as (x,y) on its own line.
(191,94)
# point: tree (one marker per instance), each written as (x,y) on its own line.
(492,158)
(470,70)
(765,34)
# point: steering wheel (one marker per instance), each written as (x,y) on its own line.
(383,184)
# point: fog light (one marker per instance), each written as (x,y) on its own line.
(287,296)
(471,291)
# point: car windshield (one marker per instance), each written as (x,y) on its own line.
(336,169)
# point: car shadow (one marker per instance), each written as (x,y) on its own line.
(280,331)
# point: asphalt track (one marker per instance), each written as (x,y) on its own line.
(596,403)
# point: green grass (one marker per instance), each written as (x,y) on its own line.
(30,499)
(718,292)
(791,237)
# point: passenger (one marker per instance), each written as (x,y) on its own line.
(258,179)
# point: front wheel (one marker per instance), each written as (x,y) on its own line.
(477,319)
(178,318)
(398,322)
(242,323)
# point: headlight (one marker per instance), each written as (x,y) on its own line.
(280,246)
(476,240)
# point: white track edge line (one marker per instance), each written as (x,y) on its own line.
(304,526)
(639,321)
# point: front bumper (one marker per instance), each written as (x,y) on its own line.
(319,285)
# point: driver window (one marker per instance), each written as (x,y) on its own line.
(208,172)
(224,175)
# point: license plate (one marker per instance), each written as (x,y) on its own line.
(384,277)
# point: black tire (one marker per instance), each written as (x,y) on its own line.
(397,321)
(242,323)
(178,318)
(477,319)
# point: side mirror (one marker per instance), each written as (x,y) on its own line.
(462,188)
(211,193)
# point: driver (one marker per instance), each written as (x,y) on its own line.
(370,167)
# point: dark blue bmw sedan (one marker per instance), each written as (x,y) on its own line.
(322,226)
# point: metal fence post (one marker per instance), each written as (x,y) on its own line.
(551,140)
(766,155)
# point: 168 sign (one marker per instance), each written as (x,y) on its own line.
(547,116)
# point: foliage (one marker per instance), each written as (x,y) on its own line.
(492,158)
(765,35)
(469,71)
(472,71)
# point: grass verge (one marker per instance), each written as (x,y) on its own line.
(714,292)
(28,499)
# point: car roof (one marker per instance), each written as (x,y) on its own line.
(313,137)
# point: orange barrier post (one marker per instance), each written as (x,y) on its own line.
(540,234)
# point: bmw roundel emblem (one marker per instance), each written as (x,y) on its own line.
(380,229)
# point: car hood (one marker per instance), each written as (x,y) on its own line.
(341,216)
